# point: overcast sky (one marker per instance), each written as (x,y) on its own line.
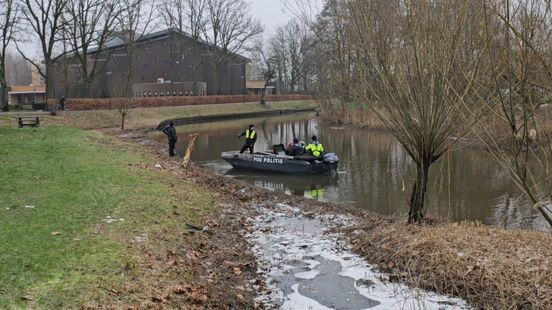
(272,13)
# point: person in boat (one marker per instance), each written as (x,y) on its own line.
(315,148)
(170,131)
(250,139)
(296,149)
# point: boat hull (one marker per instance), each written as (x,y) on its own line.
(278,163)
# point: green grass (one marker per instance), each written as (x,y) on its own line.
(74,179)
(150,117)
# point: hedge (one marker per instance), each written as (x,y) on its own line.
(150,102)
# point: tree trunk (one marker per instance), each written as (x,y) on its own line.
(3,97)
(50,94)
(419,189)
(3,86)
(123,121)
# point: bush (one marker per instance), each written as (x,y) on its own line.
(151,102)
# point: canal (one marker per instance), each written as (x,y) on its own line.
(374,171)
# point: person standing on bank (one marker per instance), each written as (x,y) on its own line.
(250,139)
(170,131)
(315,148)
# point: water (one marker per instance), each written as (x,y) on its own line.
(374,171)
(306,267)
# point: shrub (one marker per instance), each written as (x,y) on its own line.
(79,104)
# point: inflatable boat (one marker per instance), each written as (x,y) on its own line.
(278,161)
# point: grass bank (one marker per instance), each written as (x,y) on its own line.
(150,117)
(78,214)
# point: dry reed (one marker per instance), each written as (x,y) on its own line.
(490,268)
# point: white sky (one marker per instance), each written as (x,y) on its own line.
(272,13)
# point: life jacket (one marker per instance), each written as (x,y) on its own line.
(315,148)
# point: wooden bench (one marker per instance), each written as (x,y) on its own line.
(31,121)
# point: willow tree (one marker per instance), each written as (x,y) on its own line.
(411,68)
(518,37)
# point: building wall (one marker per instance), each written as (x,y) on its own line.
(174,58)
(174,89)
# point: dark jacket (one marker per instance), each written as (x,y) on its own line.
(297,150)
(171,134)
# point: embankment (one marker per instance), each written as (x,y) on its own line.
(139,118)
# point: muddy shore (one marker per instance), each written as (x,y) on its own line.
(487,267)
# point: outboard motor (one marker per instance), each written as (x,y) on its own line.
(331,161)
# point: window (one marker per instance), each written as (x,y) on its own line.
(155,94)
(168,93)
(186,93)
(161,94)
(180,93)
(174,92)
(149,94)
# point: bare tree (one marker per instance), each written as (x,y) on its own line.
(45,19)
(188,18)
(133,23)
(89,25)
(518,36)
(9,18)
(231,26)
(18,70)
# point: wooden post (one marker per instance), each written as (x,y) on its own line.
(189,150)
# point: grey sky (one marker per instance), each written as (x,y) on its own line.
(272,13)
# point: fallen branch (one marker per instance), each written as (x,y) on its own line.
(191,146)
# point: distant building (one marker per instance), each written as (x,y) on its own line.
(167,62)
(24,95)
(257,88)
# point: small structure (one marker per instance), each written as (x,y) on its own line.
(257,87)
(27,96)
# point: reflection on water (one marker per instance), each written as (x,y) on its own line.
(374,171)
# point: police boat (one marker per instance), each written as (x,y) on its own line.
(278,161)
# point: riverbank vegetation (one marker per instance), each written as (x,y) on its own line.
(434,72)
(88,221)
(489,268)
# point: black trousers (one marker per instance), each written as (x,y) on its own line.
(171,148)
(247,145)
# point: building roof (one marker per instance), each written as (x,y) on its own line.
(256,85)
(117,42)
(27,89)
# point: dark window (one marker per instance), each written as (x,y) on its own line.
(161,94)
(143,78)
(149,94)
(186,93)
(174,92)
(180,93)
(155,94)
(168,93)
